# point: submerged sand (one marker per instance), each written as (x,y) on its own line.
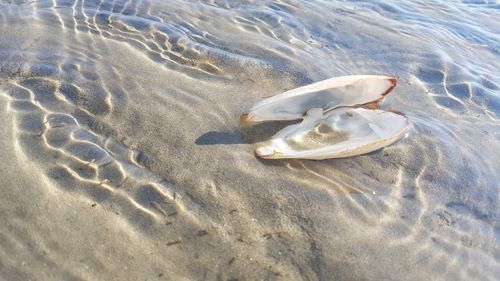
(122,157)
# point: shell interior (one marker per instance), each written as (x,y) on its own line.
(341,132)
(329,94)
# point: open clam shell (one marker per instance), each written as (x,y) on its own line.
(342,132)
(351,90)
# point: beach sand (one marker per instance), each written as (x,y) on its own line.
(123,159)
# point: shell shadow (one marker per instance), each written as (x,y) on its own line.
(244,135)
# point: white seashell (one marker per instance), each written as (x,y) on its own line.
(341,132)
(351,90)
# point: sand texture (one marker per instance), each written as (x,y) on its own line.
(122,157)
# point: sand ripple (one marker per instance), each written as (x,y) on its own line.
(121,127)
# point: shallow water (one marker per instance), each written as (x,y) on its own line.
(122,157)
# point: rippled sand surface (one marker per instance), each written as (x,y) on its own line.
(122,157)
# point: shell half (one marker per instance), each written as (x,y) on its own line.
(353,90)
(342,132)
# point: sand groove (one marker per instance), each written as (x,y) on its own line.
(100,163)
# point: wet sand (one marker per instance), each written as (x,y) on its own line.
(122,156)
